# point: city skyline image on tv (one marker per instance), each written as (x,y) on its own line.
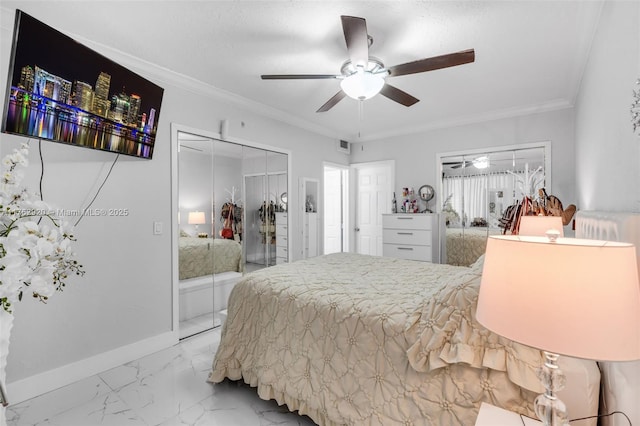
(63,91)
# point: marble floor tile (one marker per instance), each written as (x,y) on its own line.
(104,410)
(166,388)
(237,404)
(51,404)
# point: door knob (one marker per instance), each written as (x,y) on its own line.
(356,229)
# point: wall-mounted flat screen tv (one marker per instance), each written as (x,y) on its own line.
(62,91)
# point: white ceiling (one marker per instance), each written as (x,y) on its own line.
(529,54)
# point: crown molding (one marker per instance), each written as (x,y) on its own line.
(555,105)
(585,52)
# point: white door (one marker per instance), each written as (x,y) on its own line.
(374,192)
(335,209)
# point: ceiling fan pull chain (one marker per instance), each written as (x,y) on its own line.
(360,116)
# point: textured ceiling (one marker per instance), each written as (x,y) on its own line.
(529,54)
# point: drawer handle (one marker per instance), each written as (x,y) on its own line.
(405,218)
(405,233)
(405,248)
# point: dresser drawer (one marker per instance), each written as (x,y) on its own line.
(407,221)
(281,251)
(405,251)
(281,231)
(281,240)
(414,237)
(281,218)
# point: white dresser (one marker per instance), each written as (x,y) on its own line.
(411,236)
(282,238)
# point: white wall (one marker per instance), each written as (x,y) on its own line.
(415,155)
(125,297)
(607,152)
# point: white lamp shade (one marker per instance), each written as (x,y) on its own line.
(572,297)
(196,218)
(362,85)
(539,225)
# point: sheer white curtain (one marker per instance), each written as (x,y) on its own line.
(470,194)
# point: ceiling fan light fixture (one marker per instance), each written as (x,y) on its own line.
(481,162)
(362,84)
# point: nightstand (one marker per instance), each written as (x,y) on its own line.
(490,415)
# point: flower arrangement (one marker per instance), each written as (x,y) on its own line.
(529,182)
(452,218)
(35,245)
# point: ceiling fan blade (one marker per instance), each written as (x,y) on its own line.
(332,102)
(297,76)
(398,95)
(355,34)
(434,63)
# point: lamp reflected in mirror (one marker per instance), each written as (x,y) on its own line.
(196,218)
(539,226)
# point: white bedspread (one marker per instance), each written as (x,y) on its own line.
(199,257)
(351,339)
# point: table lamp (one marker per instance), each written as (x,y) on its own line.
(196,218)
(585,303)
(540,225)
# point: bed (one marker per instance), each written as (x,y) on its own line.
(206,256)
(466,245)
(208,268)
(354,339)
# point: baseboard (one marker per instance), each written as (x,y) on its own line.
(39,384)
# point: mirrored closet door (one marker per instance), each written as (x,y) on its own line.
(265,185)
(230,204)
(479,187)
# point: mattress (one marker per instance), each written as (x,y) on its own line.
(354,339)
(206,256)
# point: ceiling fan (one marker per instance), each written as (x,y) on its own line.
(479,163)
(456,164)
(363,76)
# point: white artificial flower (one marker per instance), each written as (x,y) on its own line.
(7,177)
(35,246)
(42,286)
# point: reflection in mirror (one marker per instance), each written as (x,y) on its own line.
(481,192)
(310,190)
(209,181)
(229,196)
(265,178)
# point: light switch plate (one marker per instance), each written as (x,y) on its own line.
(157,228)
